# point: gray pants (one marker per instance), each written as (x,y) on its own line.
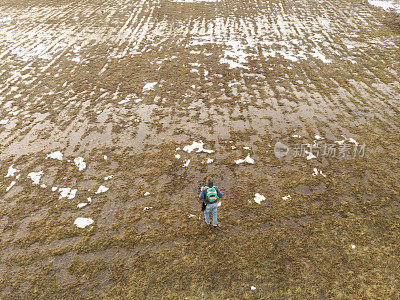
(213,208)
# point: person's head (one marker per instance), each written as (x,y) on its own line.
(210,182)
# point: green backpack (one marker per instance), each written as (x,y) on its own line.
(211,194)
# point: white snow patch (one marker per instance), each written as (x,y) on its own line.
(340,142)
(186,163)
(124,101)
(351,140)
(318,137)
(83,222)
(146,208)
(35,176)
(236,56)
(209,160)
(258,198)
(80,205)
(80,163)
(5,19)
(147,193)
(310,155)
(11,171)
(11,185)
(102,189)
(192,216)
(76,59)
(196,145)
(108,177)
(67,193)
(316,172)
(253,288)
(386,5)
(248,159)
(177,156)
(149,86)
(55,155)
(353,246)
(287,197)
(4,122)
(320,56)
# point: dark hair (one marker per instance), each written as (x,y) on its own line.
(209,181)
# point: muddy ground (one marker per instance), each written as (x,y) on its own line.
(126,85)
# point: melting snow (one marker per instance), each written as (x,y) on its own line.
(340,142)
(108,177)
(258,198)
(102,189)
(5,19)
(80,163)
(192,216)
(80,205)
(55,155)
(177,156)
(253,288)
(235,57)
(248,159)
(310,155)
(35,176)
(187,163)
(316,172)
(67,193)
(286,197)
(147,193)
(353,246)
(386,5)
(351,140)
(83,222)
(149,86)
(198,146)
(320,56)
(124,101)
(318,137)
(146,208)
(209,160)
(4,122)
(11,171)
(11,185)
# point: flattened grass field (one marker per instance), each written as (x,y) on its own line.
(113,113)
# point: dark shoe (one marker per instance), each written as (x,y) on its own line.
(215,226)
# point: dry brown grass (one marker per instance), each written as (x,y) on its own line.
(393,20)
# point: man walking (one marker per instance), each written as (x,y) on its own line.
(209,194)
